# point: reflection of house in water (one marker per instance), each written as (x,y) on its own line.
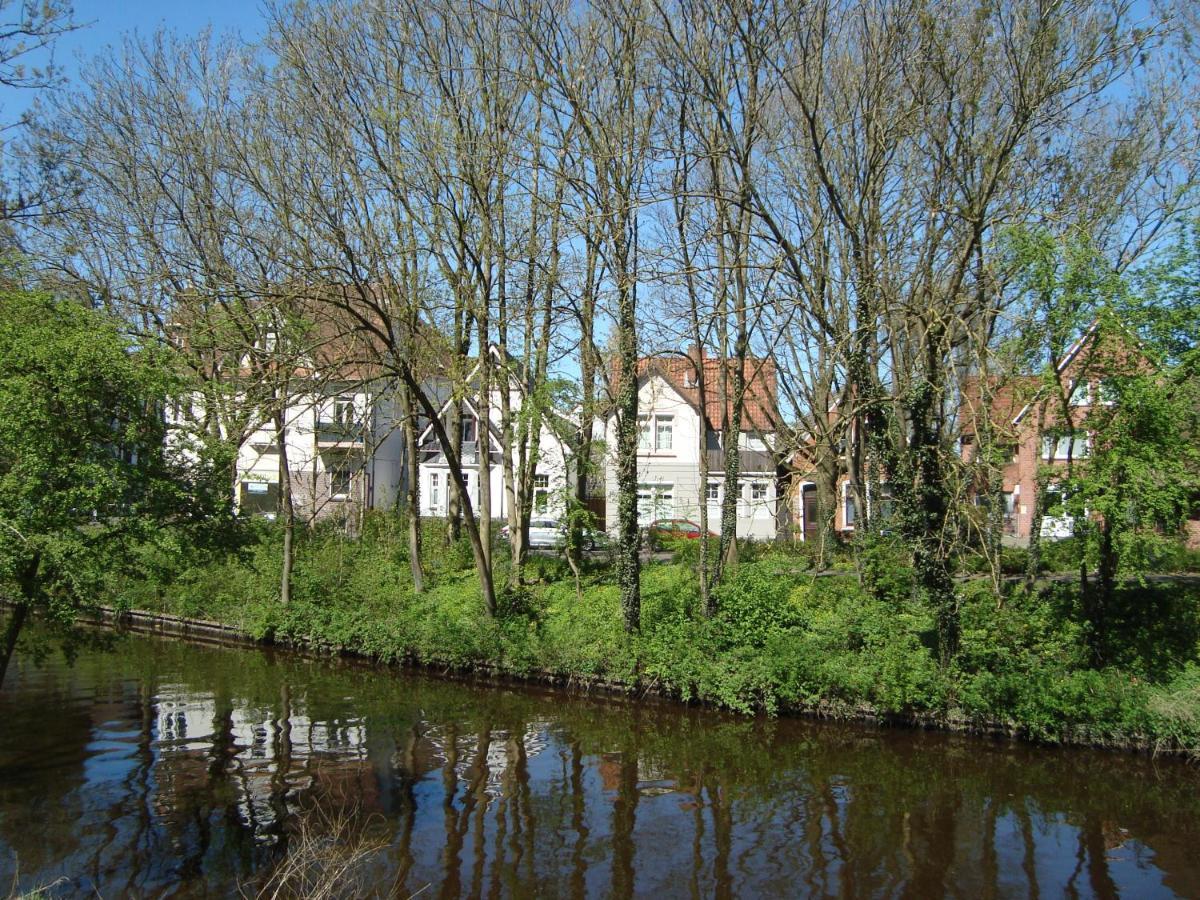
(650,779)
(263,757)
(503,752)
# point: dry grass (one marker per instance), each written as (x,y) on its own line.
(330,847)
(37,893)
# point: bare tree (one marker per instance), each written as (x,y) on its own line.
(169,232)
(596,64)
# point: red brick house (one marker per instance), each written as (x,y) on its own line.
(1023,407)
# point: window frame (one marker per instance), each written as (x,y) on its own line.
(338,471)
(650,431)
(541,493)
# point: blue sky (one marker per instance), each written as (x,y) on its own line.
(105,21)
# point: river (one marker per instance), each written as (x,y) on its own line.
(133,766)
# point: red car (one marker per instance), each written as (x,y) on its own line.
(664,529)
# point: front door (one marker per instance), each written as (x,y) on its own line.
(811,525)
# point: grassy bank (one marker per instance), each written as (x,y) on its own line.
(784,639)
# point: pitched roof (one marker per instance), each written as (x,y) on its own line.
(759,407)
(1010,397)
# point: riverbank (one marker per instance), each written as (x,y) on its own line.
(783,642)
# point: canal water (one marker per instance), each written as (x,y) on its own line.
(133,766)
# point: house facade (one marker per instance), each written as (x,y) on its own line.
(1035,432)
(345,454)
(671,418)
(1014,405)
(804,507)
(551,476)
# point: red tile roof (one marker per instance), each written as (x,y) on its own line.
(759,408)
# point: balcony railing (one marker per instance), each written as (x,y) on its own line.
(750,461)
(339,432)
(468,455)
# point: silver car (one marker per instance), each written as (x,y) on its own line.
(546,534)
(551,534)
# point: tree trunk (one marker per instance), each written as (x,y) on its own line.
(628,561)
(587,387)
(1033,562)
(16,622)
(412,490)
(484,443)
(1099,600)
(827,500)
(482,559)
(707,600)
(462,343)
(287,510)
(926,519)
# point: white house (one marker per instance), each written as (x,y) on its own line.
(669,417)
(551,476)
(345,452)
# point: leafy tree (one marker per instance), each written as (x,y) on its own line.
(87,474)
(1139,480)
(1164,307)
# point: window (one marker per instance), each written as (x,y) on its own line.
(848,505)
(1058,448)
(887,501)
(1108,391)
(758,491)
(435,491)
(655,501)
(1079,393)
(541,493)
(1010,508)
(343,410)
(656,432)
(256,487)
(469,430)
(664,434)
(339,481)
(714,492)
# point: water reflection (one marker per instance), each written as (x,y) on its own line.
(157,768)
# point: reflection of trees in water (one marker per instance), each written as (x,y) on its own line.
(578,824)
(624,818)
(489,792)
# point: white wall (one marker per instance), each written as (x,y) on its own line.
(678,469)
(552,462)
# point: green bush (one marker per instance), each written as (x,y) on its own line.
(782,638)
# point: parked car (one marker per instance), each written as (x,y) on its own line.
(550,534)
(673,529)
